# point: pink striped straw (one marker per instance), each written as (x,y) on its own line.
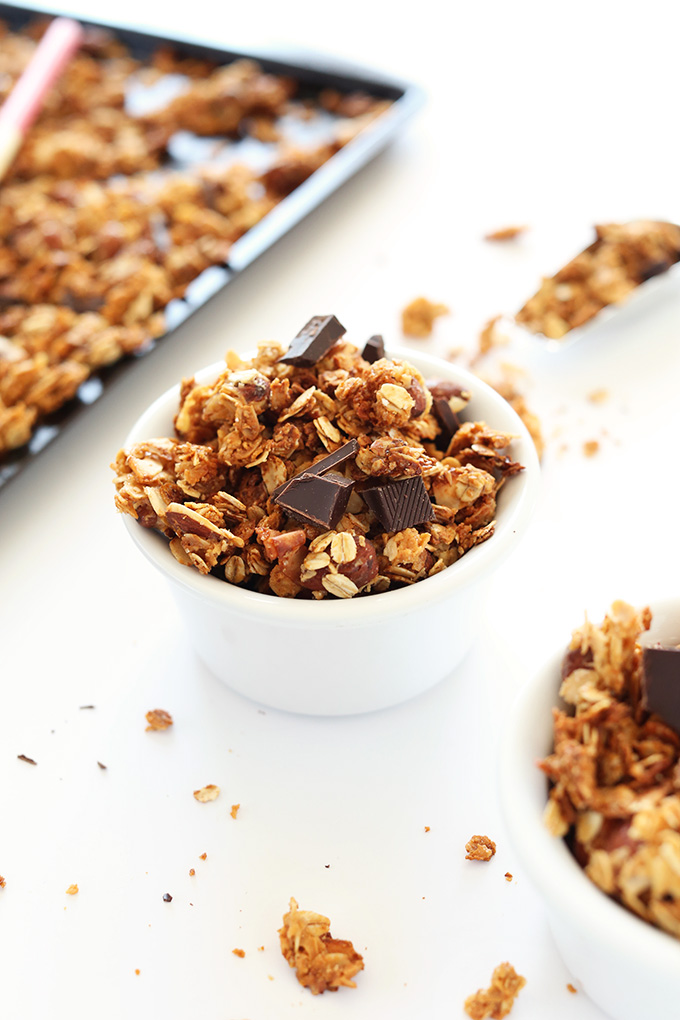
(23,104)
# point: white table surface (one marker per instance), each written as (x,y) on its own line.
(553,116)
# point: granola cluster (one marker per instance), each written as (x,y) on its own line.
(98,236)
(322,962)
(211,489)
(615,771)
(497,1000)
(622,257)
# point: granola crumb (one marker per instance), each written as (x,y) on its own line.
(192,872)
(72,890)
(24,757)
(417,319)
(505,233)
(203,856)
(508,876)
(239,952)
(497,1001)
(137,971)
(427,828)
(590,448)
(480,848)
(570,988)
(321,961)
(489,337)
(158,719)
(207,793)
(3,882)
(102,766)
(260,949)
(234,810)
(598,396)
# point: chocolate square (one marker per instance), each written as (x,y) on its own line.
(661,683)
(374,349)
(314,340)
(316,499)
(400,503)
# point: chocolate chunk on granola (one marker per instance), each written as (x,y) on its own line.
(374,349)
(333,460)
(448,420)
(661,683)
(316,499)
(400,503)
(314,340)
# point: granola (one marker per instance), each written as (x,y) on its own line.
(207,793)
(496,1001)
(98,236)
(158,719)
(615,771)
(322,962)
(479,848)
(417,319)
(219,490)
(623,256)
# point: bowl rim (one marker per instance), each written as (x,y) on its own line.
(471,567)
(549,864)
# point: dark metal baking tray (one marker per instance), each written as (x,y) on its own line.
(313,73)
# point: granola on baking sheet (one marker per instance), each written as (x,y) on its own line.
(497,1000)
(322,963)
(615,771)
(222,489)
(622,257)
(98,235)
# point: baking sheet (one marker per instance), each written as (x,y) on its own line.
(185,150)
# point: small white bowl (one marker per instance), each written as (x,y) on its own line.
(629,968)
(341,657)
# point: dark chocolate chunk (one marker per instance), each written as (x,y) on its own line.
(313,341)
(167,897)
(448,421)
(399,504)
(374,349)
(321,466)
(22,757)
(449,390)
(316,499)
(661,683)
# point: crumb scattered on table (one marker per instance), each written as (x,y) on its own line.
(480,848)
(427,828)
(598,396)
(591,447)
(72,890)
(203,856)
(489,336)
(570,988)
(158,719)
(239,952)
(234,810)
(321,961)
(137,971)
(508,876)
(192,872)
(102,766)
(3,882)
(167,898)
(23,757)
(505,233)
(417,319)
(207,793)
(497,1000)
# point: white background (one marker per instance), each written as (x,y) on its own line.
(556,116)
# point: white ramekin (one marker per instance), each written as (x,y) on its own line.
(628,967)
(345,656)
